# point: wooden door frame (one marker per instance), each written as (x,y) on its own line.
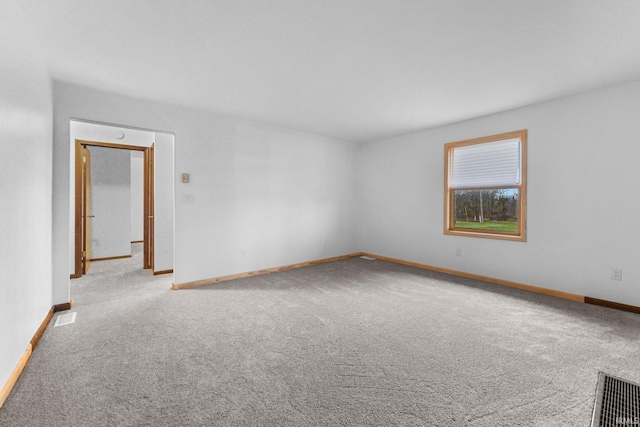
(86,207)
(148,199)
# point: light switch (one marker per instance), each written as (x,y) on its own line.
(185,178)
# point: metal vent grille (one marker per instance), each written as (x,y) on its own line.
(617,403)
(65,319)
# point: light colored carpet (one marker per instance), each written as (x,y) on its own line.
(354,342)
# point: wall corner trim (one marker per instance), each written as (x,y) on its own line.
(24,359)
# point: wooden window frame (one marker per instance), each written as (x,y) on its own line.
(521,234)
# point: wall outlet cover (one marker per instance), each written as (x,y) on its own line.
(616,274)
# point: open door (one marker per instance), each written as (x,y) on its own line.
(86,209)
(148,207)
(82,242)
(83,215)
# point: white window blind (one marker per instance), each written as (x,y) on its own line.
(490,164)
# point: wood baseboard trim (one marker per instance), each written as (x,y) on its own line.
(188,285)
(155,273)
(517,285)
(530,288)
(24,359)
(611,304)
(63,307)
(137,241)
(13,379)
(110,258)
(41,329)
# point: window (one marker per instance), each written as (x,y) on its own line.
(485,186)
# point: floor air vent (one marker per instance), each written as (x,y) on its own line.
(617,403)
(65,319)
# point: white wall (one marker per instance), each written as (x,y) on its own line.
(163,168)
(98,132)
(137,196)
(110,202)
(583,187)
(281,196)
(25,189)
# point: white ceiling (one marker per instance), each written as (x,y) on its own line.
(357,70)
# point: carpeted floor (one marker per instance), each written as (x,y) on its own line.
(349,343)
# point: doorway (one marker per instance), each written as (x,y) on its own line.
(83,203)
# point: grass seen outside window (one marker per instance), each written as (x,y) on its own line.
(508,226)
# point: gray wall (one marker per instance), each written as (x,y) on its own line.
(583,187)
(137,196)
(110,202)
(25,189)
(281,196)
(163,202)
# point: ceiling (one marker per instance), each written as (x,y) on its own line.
(357,70)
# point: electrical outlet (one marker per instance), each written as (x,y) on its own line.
(243,253)
(458,251)
(616,274)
